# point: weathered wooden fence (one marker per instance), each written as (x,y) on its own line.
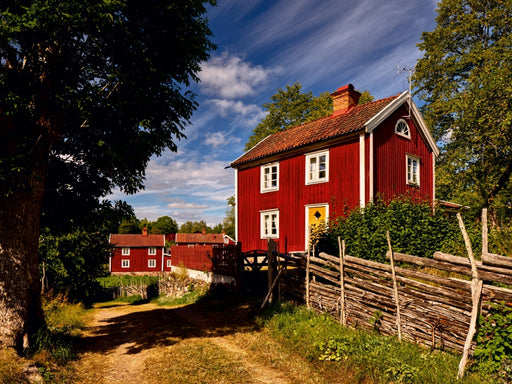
(432,302)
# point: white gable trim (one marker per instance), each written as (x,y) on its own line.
(376,120)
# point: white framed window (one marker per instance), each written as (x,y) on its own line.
(269,221)
(151,263)
(125,251)
(169,265)
(125,263)
(151,251)
(402,128)
(317,167)
(270,178)
(413,170)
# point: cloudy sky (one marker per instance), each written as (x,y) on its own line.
(263,45)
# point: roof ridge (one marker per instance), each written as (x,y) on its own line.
(323,128)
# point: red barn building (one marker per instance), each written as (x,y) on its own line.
(142,254)
(300,177)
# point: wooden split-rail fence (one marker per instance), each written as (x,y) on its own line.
(433,302)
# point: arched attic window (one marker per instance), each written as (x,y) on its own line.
(402,128)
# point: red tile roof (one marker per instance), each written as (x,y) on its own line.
(199,238)
(129,240)
(325,128)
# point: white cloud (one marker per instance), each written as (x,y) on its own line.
(231,77)
(183,205)
(241,114)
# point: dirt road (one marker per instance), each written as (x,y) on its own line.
(209,342)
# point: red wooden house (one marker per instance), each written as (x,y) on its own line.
(300,177)
(142,254)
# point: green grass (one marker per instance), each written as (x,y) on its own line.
(369,356)
(117,281)
(190,297)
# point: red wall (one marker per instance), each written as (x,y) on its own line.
(293,195)
(138,261)
(198,257)
(342,190)
(390,160)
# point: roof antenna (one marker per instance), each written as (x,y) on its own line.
(409,79)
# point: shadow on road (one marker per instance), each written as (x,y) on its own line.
(148,326)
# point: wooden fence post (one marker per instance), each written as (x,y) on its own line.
(395,288)
(307,277)
(271,247)
(485,237)
(343,314)
(476,296)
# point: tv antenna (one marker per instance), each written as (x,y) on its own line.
(410,70)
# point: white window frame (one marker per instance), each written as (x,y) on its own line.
(269,219)
(169,263)
(266,184)
(151,263)
(313,171)
(407,134)
(125,251)
(152,251)
(125,263)
(412,174)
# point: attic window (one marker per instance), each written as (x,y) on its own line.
(402,128)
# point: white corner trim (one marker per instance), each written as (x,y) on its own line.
(433,179)
(370,168)
(236,204)
(362,185)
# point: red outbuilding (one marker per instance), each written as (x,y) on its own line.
(142,253)
(300,177)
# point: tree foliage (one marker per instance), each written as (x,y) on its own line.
(89,91)
(229,221)
(287,108)
(464,77)
(165,225)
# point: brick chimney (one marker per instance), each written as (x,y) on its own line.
(204,231)
(144,232)
(344,99)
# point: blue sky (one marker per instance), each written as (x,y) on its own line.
(262,46)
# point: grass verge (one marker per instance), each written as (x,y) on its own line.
(368,356)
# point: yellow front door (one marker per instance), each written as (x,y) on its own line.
(316,217)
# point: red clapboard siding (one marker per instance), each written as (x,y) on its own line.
(138,260)
(198,257)
(390,160)
(293,195)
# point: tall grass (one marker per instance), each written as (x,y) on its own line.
(369,356)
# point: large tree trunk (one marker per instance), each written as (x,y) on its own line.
(21,314)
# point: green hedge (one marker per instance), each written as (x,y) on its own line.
(415,228)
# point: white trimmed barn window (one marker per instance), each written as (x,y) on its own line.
(125,251)
(152,263)
(317,167)
(125,263)
(151,251)
(413,170)
(270,178)
(269,224)
(402,128)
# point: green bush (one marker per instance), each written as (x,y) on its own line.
(415,228)
(493,351)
